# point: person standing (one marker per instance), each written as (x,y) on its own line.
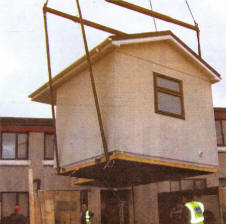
(16,218)
(86,215)
(176,214)
(195,210)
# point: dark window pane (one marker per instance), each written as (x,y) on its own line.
(83,197)
(168,84)
(218,132)
(174,186)
(9,200)
(187,184)
(8,203)
(222,182)
(23,202)
(224,130)
(49,146)
(8,145)
(200,183)
(169,103)
(22,146)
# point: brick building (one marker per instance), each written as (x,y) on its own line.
(26,142)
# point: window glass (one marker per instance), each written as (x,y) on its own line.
(222,182)
(83,197)
(218,132)
(168,84)
(49,146)
(200,183)
(8,203)
(22,146)
(169,103)
(187,184)
(23,203)
(224,130)
(174,185)
(9,200)
(168,96)
(8,145)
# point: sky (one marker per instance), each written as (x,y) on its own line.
(23,51)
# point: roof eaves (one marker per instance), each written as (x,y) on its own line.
(197,57)
(110,43)
(78,66)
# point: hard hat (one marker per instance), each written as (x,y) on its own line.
(84,205)
(17,208)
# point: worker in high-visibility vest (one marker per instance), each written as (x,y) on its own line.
(196,211)
(86,215)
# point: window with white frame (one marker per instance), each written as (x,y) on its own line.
(168,93)
(14,146)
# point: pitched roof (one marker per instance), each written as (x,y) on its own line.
(43,93)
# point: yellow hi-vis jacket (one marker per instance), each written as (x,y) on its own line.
(196,210)
(88,217)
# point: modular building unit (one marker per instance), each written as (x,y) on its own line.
(156,106)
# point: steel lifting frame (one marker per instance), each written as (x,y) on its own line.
(84,21)
(158,16)
(105,29)
(93,25)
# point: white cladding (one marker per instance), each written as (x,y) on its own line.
(124,82)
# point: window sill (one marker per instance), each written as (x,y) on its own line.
(15,162)
(48,162)
(170,114)
(221,148)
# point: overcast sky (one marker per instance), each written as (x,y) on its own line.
(23,53)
